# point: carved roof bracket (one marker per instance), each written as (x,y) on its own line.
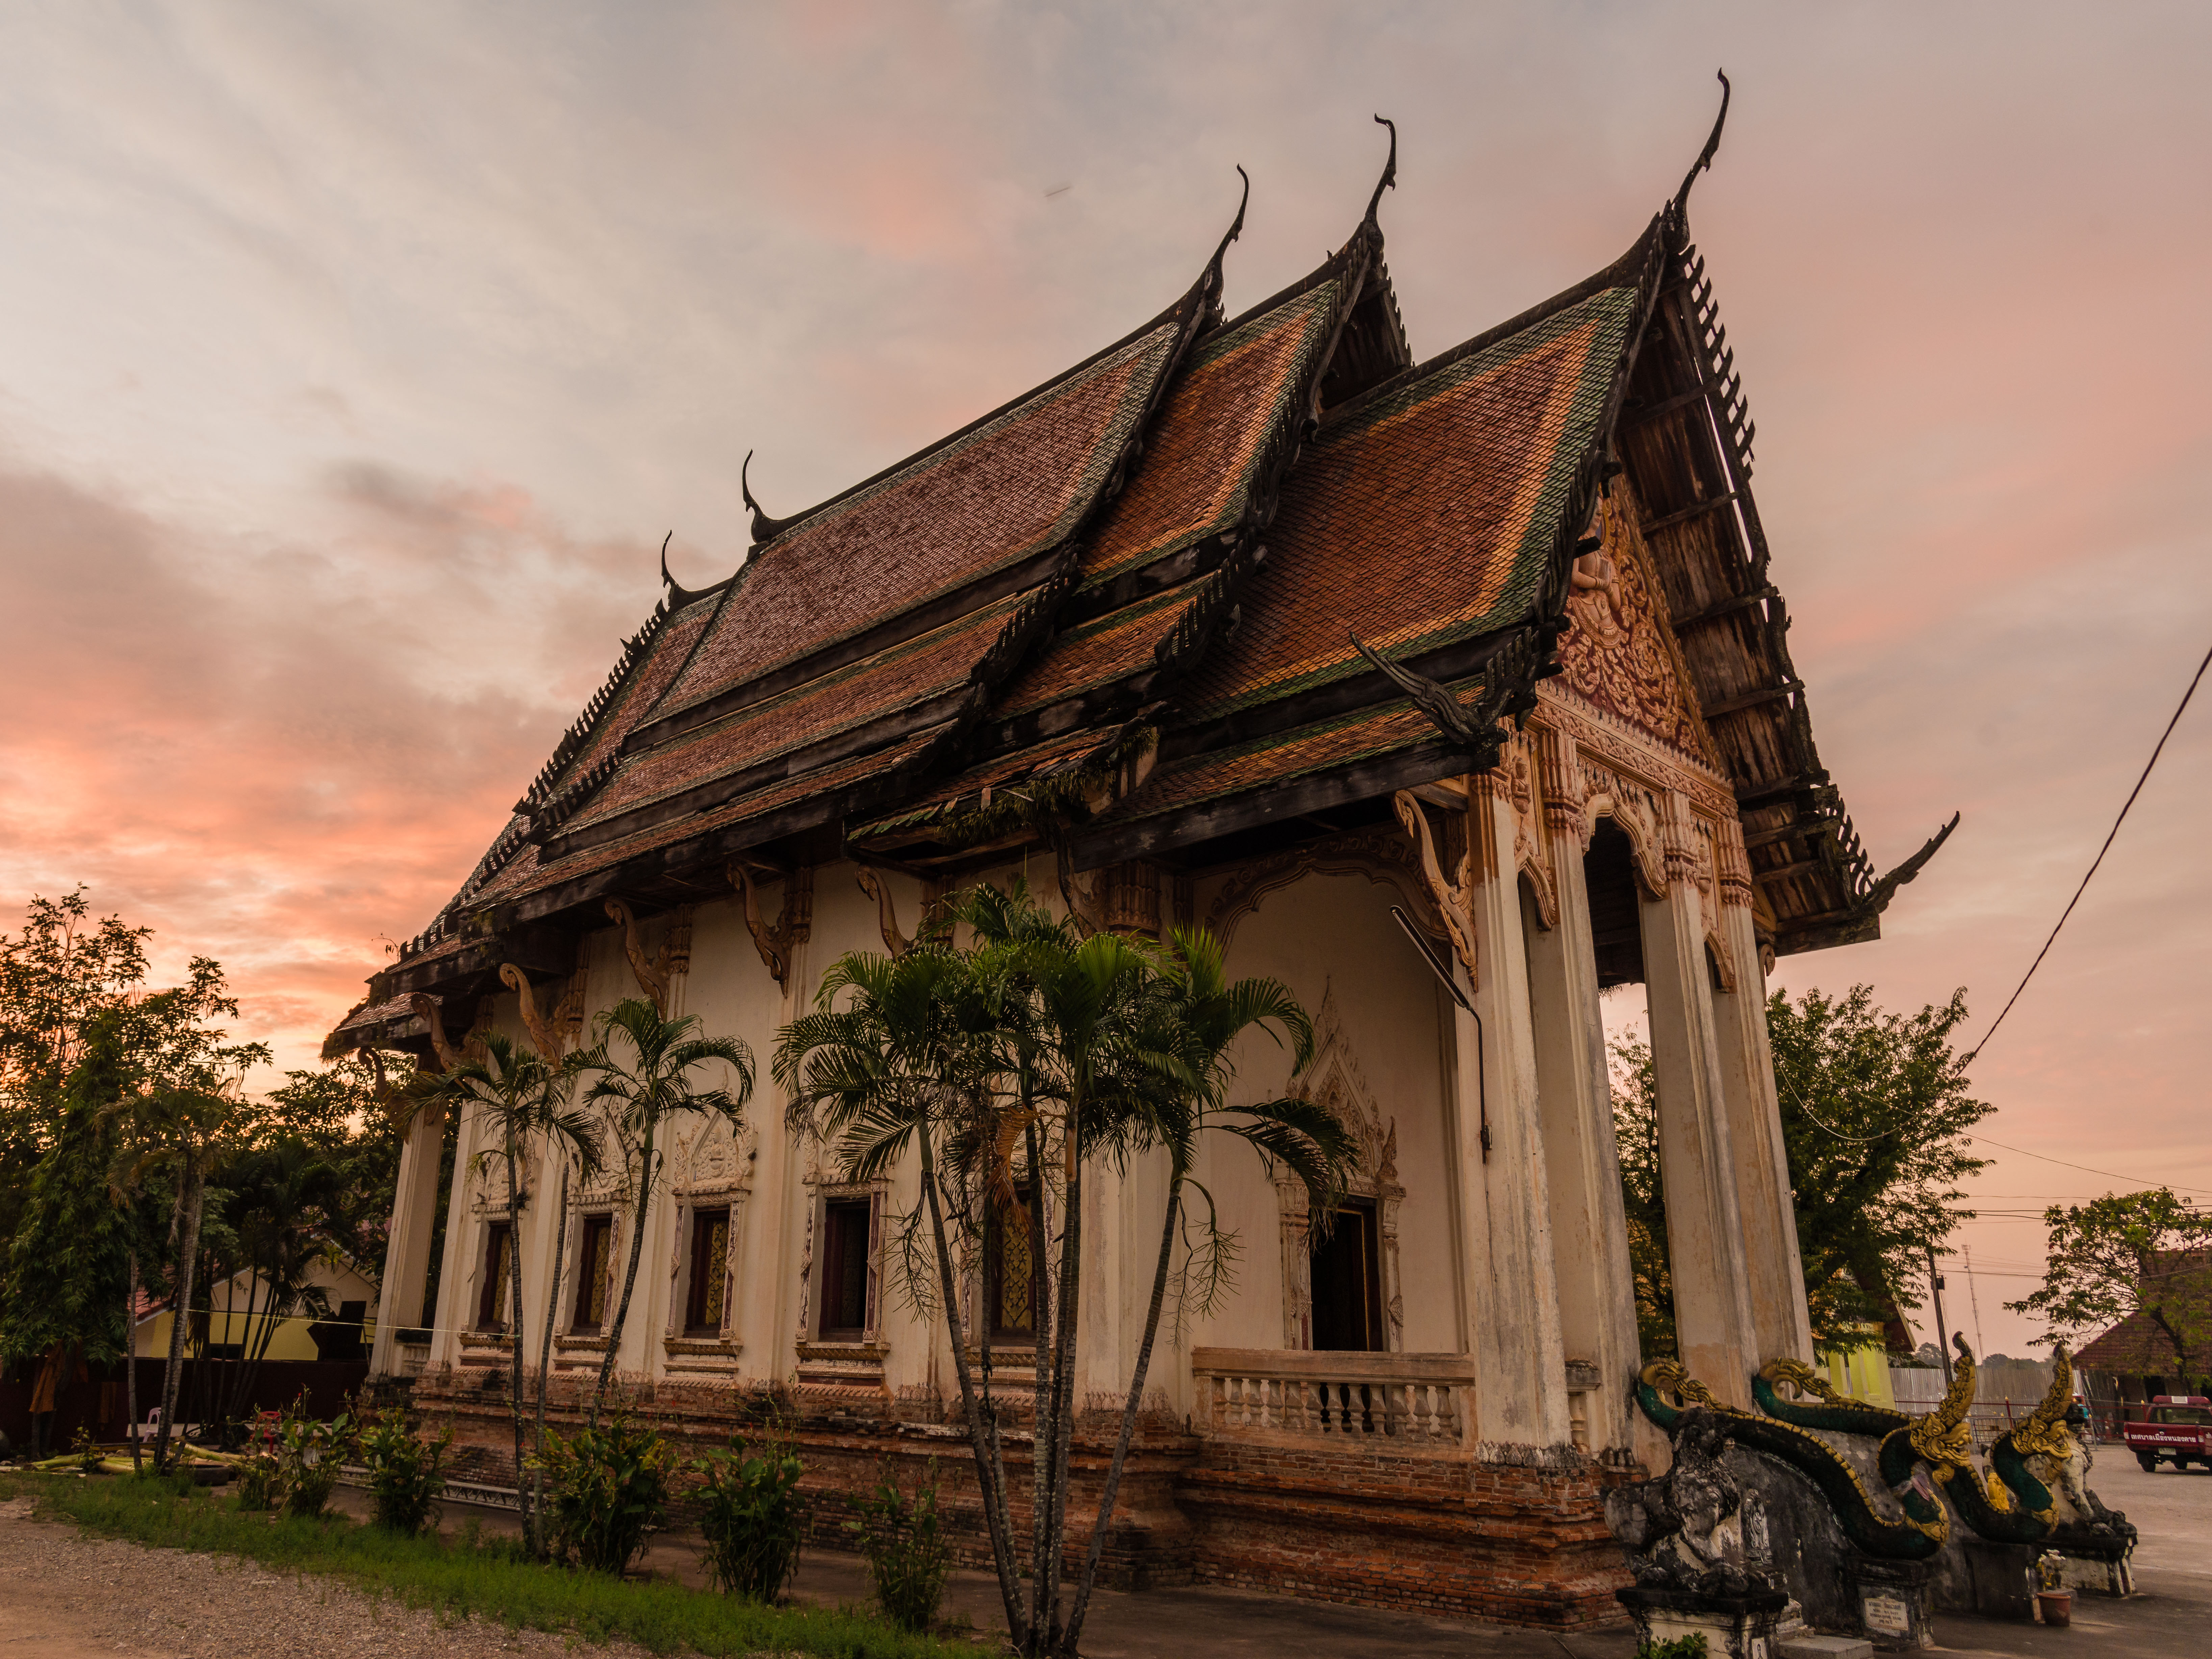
(792,925)
(544,1032)
(1452,896)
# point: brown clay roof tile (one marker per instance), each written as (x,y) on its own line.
(1015,487)
(1423,516)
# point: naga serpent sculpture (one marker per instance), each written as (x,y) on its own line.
(2014,1503)
(1939,1439)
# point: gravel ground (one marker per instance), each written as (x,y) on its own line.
(66,1597)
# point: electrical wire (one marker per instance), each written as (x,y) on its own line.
(1976,1049)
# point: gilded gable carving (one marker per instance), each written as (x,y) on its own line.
(1619,654)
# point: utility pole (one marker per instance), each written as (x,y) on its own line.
(1942,1337)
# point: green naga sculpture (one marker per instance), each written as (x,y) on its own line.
(2033,1493)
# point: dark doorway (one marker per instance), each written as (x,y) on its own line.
(499,1267)
(845,1227)
(1616,916)
(1347,1282)
(710,1258)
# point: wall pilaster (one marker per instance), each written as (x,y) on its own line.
(1705,1243)
(1589,1230)
(1784,1330)
(407,1259)
(1521,1392)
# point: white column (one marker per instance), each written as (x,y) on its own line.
(1764,1199)
(1589,1227)
(1521,1380)
(1705,1244)
(407,1256)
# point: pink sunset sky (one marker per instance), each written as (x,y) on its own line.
(354,361)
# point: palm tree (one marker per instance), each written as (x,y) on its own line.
(1192,1017)
(654,1086)
(1041,1044)
(896,1064)
(526,1099)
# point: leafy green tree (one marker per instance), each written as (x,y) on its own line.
(641,1093)
(1875,1115)
(57,976)
(2123,1254)
(67,1266)
(177,1113)
(1643,1195)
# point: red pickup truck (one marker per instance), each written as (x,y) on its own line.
(2178,1429)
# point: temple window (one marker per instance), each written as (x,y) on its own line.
(710,1255)
(847,1223)
(593,1250)
(1348,1281)
(499,1273)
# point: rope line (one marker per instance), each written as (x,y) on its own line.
(2100,858)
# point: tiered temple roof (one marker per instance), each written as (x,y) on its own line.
(1117,614)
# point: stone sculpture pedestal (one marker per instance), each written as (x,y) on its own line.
(1736,1626)
(1893,1603)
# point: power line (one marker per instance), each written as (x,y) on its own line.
(2100,858)
(2109,1175)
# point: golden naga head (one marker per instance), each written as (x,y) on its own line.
(1668,1377)
(1944,1437)
(2045,1431)
(1806,1381)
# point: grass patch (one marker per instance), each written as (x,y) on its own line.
(456,1578)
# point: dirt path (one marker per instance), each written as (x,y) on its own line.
(63,1597)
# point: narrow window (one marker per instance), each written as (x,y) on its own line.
(498,1269)
(1010,1271)
(710,1256)
(845,1226)
(591,1253)
(1347,1283)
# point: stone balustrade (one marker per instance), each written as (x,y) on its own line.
(1393,1401)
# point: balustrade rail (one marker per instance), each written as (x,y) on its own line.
(1408,1401)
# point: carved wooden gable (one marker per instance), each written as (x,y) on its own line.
(1619,654)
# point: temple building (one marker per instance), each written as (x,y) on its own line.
(1450,691)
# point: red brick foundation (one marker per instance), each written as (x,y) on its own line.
(1479,1538)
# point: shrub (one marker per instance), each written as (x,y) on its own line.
(307,1459)
(607,1489)
(406,1472)
(1692,1646)
(260,1480)
(750,1513)
(910,1558)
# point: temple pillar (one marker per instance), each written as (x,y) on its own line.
(407,1256)
(1705,1243)
(1764,1196)
(1521,1394)
(1589,1226)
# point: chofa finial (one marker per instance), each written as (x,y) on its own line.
(765,529)
(666,581)
(1705,155)
(1236,225)
(1389,179)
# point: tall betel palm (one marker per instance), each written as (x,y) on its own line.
(640,1094)
(526,1101)
(1011,1066)
(1192,1017)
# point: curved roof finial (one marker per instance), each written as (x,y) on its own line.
(666,581)
(765,529)
(1236,225)
(1705,155)
(1389,179)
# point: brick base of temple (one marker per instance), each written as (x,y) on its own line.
(1511,1536)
